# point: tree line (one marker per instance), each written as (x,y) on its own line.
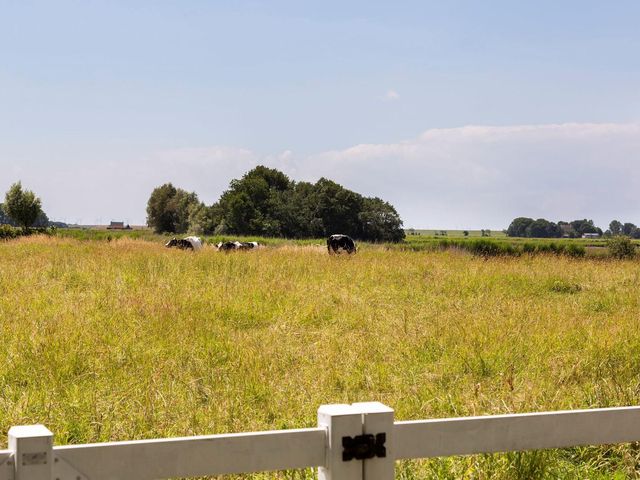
(542,228)
(266,202)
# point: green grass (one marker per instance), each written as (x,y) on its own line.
(148,235)
(452,233)
(127,340)
(512,245)
(498,245)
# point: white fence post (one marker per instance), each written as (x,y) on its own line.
(377,420)
(359,442)
(340,421)
(32,447)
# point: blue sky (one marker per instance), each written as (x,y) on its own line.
(102,101)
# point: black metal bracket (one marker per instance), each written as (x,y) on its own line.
(362,447)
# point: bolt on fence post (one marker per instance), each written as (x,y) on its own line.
(340,421)
(32,447)
(378,419)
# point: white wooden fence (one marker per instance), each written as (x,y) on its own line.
(351,442)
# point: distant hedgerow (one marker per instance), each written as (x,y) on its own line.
(7,232)
(485,247)
(488,248)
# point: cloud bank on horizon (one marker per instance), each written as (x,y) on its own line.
(453,178)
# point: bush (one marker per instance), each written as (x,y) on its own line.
(569,249)
(620,247)
(7,232)
(575,250)
(488,248)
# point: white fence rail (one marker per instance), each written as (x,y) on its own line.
(352,442)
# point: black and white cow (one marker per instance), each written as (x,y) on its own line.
(248,245)
(232,246)
(188,243)
(226,246)
(338,242)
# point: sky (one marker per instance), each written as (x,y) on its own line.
(462,114)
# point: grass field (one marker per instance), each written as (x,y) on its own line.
(453,233)
(423,242)
(126,340)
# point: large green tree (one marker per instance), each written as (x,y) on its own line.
(169,209)
(204,220)
(251,205)
(542,228)
(22,206)
(266,202)
(159,215)
(181,205)
(41,221)
(518,227)
(380,221)
(337,208)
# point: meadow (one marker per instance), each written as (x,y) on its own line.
(125,339)
(454,233)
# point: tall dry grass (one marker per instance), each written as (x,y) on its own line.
(126,339)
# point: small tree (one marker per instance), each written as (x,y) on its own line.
(621,247)
(616,227)
(628,228)
(22,206)
(466,233)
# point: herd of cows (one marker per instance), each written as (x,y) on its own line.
(337,243)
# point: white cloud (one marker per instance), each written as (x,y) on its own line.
(391,95)
(466,177)
(483,176)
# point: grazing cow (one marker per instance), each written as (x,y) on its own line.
(231,246)
(226,246)
(248,245)
(188,243)
(338,242)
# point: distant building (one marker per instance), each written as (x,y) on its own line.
(590,235)
(118,226)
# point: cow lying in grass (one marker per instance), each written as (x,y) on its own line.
(232,246)
(188,243)
(338,243)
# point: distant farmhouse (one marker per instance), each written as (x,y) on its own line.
(590,235)
(118,226)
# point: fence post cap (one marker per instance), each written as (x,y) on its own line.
(372,407)
(336,409)
(30,431)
